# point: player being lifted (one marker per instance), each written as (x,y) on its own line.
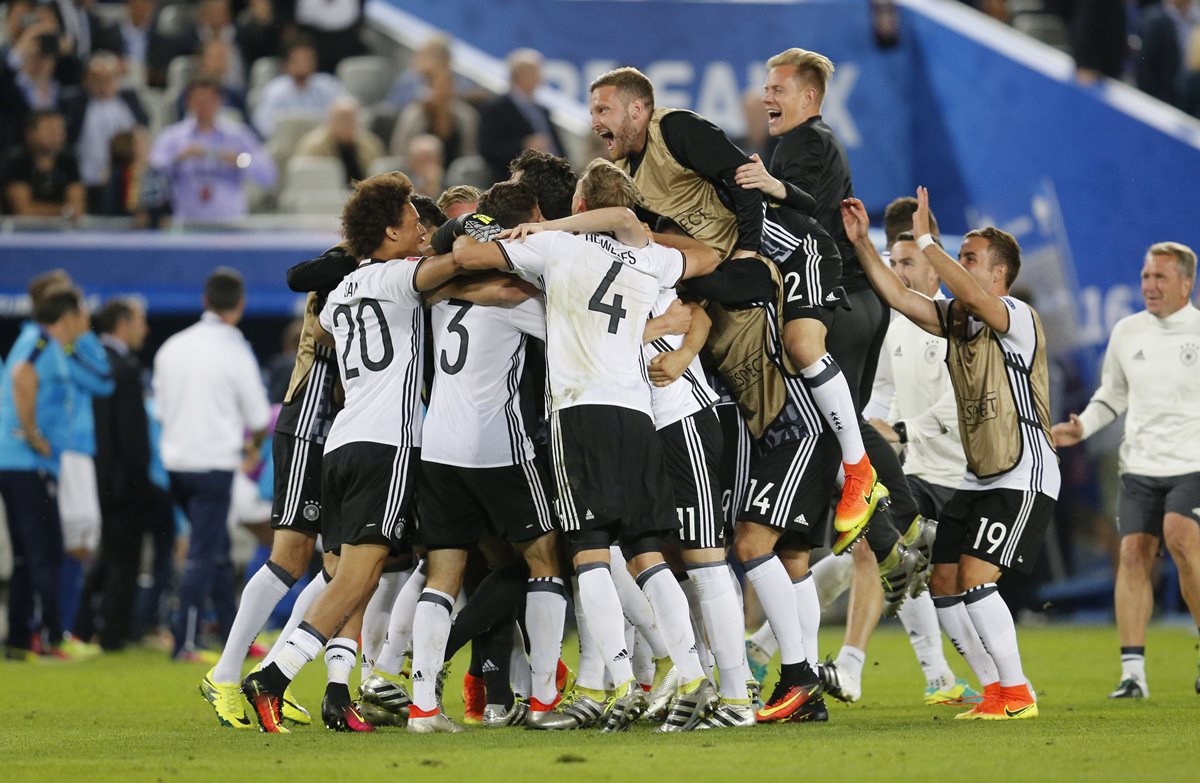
(684,168)
(997,518)
(608,461)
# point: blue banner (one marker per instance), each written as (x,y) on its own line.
(167,270)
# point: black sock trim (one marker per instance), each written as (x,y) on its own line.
(755,562)
(582,569)
(980,592)
(646,575)
(1134,651)
(281,573)
(713,564)
(430,597)
(546,584)
(325,575)
(802,579)
(825,375)
(946,601)
(353,651)
(304,626)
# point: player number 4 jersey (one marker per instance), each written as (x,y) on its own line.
(375,318)
(599,293)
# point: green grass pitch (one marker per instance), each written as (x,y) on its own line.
(136,717)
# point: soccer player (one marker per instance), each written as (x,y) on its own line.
(610,476)
(1149,373)
(35,401)
(682,403)
(373,447)
(684,168)
(997,518)
(480,474)
(913,407)
(308,411)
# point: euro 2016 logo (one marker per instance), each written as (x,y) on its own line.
(1188,354)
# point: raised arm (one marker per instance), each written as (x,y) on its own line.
(915,306)
(985,306)
(620,220)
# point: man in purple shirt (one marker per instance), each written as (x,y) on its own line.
(207,158)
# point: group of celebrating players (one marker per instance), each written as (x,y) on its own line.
(705,375)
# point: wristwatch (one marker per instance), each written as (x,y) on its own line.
(901,430)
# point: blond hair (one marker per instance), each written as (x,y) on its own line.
(459,194)
(811,68)
(1185,257)
(605,185)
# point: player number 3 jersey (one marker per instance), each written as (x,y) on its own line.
(375,318)
(599,293)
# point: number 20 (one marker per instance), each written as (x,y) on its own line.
(995,532)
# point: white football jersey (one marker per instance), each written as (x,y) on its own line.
(598,296)
(690,392)
(376,320)
(474,416)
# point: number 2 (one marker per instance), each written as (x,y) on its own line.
(793,278)
(614,311)
(389,352)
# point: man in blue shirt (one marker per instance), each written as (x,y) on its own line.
(36,398)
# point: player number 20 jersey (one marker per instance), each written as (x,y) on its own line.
(375,318)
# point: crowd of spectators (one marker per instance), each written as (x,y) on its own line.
(205,111)
(1151,44)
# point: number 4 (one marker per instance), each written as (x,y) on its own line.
(614,311)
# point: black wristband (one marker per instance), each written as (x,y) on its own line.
(901,430)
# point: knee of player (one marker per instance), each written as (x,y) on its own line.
(804,339)
(750,542)
(1181,535)
(944,580)
(1138,550)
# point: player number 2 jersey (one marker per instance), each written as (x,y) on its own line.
(599,293)
(375,318)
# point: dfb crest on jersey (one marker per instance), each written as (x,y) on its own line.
(1188,354)
(311,512)
(933,353)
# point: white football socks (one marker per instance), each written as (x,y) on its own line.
(400,624)
(919,618)
(827,384)
(299,609)
(545,613)
(602,608)
(778,598)
(957,623)
(340,655)
(260,596)
(377,616)
(431,628)
(994,622)
(723,623)
(809,609)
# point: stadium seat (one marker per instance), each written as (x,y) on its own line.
(312,173)
(181,72)
(314,202)
(173,19)
(468,170)
(367,78)
(264,70)
(289,127)
(386,163)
